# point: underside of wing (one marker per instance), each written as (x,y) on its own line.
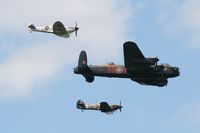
(133,57)
(152,81)
(59,29)
(104,107)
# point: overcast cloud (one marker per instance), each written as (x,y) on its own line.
(102,31)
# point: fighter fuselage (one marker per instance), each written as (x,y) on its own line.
(103,106)
(58,29)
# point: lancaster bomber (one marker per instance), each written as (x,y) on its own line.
(58,29)
(138,68)
(103,107)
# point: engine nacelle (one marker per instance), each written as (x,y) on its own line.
(152,61)
(149,61)
(89,79)
(162,82)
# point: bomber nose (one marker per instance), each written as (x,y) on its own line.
(176,69)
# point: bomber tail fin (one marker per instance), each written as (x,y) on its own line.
(82,62)
(83,68)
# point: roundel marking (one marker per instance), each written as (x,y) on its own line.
(46,27)
(84,62)
(118,70)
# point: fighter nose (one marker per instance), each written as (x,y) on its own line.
(120,108)
(76,28)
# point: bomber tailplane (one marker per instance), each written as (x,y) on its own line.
(83,68)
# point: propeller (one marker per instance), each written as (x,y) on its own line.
(30,25)
(157,60)
(76,29)
(120,104)
(166,83)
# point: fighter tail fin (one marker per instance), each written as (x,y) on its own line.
(80,105)
(31,27)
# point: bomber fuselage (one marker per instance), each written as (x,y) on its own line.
(136,67)
(120,71)
(155,75)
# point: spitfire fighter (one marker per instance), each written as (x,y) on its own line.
(142,70)
(58,29)
(103,107)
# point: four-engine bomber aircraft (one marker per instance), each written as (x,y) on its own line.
(103,106)
(58,29)
(143,70)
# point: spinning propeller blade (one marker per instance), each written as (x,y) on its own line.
(76,29)
(157,61)
(120,109)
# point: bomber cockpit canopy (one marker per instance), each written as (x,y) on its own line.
(165,65)
(111,63)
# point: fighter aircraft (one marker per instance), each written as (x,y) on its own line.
(103,107)
(143,70)
(58,29)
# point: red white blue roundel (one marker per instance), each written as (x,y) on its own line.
(118,70)
(84,62)
(46,27)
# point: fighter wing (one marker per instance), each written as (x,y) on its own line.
(133,57)
(59,29)
(104,107)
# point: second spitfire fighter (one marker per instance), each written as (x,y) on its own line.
(143,70)
(103,106)
(58,29)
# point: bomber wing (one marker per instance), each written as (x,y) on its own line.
(104,107)
(133,57)
(59,29)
